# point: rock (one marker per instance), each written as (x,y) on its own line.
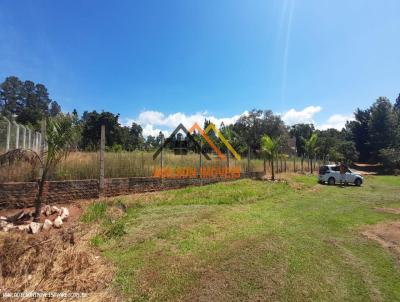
(8,226)
(24,227)
(64,213)
(55,209)
(3,223)
(35,227)
(58,222)
(46,210)
(3,218)
(47,224)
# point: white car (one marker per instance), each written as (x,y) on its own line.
(331,174)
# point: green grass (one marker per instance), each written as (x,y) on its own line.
(252,241)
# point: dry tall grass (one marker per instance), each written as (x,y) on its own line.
(47,263)
(85,165)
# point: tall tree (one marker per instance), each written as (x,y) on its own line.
(55,109)
(26,101)
(150,143)
(359,133)
(91,125)
(10,96)
(382,125)
(397,104)
(35,104)
(252,126)
(301,132)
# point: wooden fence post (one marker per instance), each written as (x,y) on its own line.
(162,158)
(200,159)
(42,146)
(294,164)
(102,149)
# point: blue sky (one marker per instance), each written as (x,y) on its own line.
(160,62)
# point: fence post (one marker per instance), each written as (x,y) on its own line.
(102,147)
(24,139)
(248,159)
(294,164)
(8,134)
(16,136)
(161,158)
(227,158)
(42,146)
(200,159)
(29,138)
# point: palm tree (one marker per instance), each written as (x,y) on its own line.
(270,150)
(311,148)
(60,138)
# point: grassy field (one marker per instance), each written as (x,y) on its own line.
(251,241)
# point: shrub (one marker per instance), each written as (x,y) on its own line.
(390,158)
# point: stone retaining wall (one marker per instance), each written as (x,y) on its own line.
(22,194)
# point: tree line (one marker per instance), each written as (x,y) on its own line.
(373,136)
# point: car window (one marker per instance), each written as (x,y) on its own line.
(323,169)
(335,168)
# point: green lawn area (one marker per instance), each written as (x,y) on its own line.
(251,240)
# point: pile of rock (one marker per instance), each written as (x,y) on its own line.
(20,221)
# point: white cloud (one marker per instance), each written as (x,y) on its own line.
(336,121)
(306,115)
(153,122)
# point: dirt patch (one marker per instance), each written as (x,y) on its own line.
(386,234)
(75,211)
(389,210)
(61,260)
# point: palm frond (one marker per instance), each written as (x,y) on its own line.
(270,146)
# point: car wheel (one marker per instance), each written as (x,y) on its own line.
(358,182)
(331,181)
